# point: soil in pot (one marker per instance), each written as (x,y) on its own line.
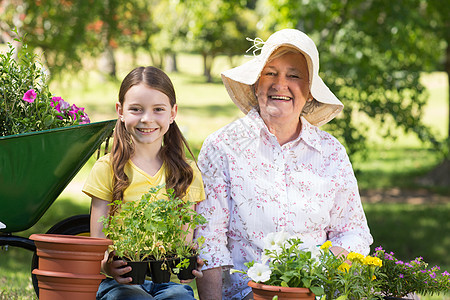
(160,270)
(186,273)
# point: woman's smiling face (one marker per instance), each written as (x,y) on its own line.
(283,88)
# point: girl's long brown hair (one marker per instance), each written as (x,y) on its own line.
(179,173)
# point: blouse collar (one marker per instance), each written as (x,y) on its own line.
(308,133)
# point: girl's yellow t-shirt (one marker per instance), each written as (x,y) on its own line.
(99,183)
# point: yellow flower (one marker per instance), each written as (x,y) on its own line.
(353,257)
(344,267)
(373,277)
(372,261)
(326,245)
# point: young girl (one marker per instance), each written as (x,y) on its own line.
(148,150)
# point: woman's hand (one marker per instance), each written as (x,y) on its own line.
(198,272)
(116,268)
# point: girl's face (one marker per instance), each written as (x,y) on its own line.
(147,114)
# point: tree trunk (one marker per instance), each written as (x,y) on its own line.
(171,64)
(207,66)
(108,62)
(447,70)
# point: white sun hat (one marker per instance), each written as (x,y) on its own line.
(239,81)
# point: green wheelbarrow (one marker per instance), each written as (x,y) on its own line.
(35,168)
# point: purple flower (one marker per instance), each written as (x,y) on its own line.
(84,119)
(399,262)
(64,105)
(433,275)
(446,273)
(401,276)
(379,248)
(436,268)
(29,96)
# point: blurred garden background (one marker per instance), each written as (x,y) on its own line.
(387,61)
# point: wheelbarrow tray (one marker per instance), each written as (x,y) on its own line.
(35,168)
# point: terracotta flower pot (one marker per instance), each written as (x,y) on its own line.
(67,286)
(263,292)
(69,266)
(68,253)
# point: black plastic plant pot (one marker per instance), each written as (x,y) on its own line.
(160,270)
(186,273)
(138,271)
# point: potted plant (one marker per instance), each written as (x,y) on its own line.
(26,103)
(397,278)
(43,145)
(153,230)
(287,269)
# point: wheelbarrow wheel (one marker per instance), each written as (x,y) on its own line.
(75,225)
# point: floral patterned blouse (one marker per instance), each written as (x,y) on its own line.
(254,187)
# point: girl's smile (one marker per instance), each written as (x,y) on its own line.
(146,113)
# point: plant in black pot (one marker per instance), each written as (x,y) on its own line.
(187,252)
(150,230)
(173,221)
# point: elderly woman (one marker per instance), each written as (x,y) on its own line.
(274,169)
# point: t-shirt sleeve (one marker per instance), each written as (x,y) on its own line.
(196,191)
(99,181)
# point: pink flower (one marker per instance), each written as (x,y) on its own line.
(73,111)
(55,103)
(29,96)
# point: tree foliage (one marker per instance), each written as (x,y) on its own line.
(59,28)
(372,52)
(371,55)
(218,27)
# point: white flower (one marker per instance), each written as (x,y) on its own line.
(265,258)
(259,272)
(315,252)
(274,240)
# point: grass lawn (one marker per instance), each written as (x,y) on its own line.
(408,230)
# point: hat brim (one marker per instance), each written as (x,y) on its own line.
(240,80)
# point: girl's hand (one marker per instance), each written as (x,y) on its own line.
(197,273)
(116,268)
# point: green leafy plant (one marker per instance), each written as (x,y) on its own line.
(26,103)
(285,262)
(398,278)
(353,278)
(154,227)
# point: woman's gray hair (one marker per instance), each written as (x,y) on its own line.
(310,106)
